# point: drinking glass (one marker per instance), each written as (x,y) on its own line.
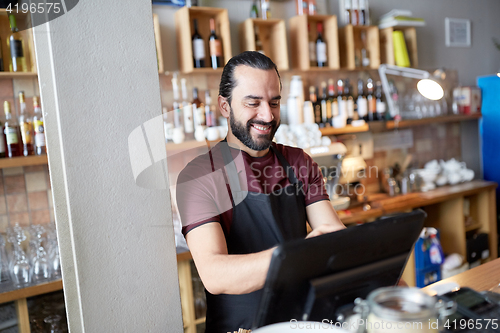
(53,251)
(19,267)
(5,279)
(40,269)
(53,321)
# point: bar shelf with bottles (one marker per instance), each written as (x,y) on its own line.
(203,39)
(25,56)
(267,36)
(314,42)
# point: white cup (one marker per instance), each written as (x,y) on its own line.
(211,133)
(178,135)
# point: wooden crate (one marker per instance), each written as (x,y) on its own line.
(272,34)
(387,46)
(27,35)
(350,40)
(299,39)
(184,30)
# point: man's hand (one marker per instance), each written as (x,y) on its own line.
(324,229)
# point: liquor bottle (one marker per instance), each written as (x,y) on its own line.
(312,7)
(341,99)
(39,128)
(355,12)
(265,9)
(363,12)
(209,110)
(324,105)
(187,109)
(302,7)
(395,100)
(321,57)
(198,47)
(361,102)
(26,125)
(16,47)
(258,43)
(347,12)
(254,11)
(380,103)
(12,135)
(177,105)
(372,102)
(215,47)
(316,106)
(198,109)
(333,100)
(312,47)
(349,101)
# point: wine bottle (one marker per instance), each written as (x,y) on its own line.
(372,102)
(355,12)
(254,10)
(209,110)
(177,105)
(362,13)
(341,99)
(16,46)
(347,12)
(349,100)
(198,109)
(316,106)
(362,102)
(26,125)
(198,47)
(324,105)
(321,57)
(11,131)
(312,7)
(187,109)
(380,101)
(333,100)
(215,47)
(39,128)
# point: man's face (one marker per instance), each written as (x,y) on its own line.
(255,107)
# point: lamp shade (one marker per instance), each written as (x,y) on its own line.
(430,89)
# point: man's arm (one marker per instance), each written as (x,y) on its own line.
(323,218)
(222,273)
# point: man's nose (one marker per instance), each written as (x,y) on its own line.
(266,112)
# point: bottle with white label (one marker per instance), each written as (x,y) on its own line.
(187,109)
(312,47)
(39,128)
(321,55)
(198,47)
(12,133)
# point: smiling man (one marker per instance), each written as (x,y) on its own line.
(248,195)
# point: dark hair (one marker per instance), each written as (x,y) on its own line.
(249,58)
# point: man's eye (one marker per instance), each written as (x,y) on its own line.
(275,105)
(253,104)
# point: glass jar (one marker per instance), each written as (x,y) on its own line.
(403,310)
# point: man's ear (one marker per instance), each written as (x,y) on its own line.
(224,106)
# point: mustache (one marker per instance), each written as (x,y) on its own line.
(272,123)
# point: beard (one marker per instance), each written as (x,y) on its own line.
(242,132)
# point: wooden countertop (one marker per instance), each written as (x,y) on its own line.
(484,277)
(414,200)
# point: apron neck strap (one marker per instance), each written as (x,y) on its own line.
(289,170)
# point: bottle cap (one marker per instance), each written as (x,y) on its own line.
(6,107)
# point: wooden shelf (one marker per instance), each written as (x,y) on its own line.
(17,75)
(433,120)
(473,227)
(344,130)
(351,43)
(23,161)
(31,291)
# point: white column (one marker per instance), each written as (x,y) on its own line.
(99,82)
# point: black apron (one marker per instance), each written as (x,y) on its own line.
(260,221)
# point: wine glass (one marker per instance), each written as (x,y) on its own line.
(53,321)
(53,251)
(40,269)
(5,279)
(19,267)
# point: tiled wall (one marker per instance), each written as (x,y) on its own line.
(25,196)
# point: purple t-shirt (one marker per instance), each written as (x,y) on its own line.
(203,194)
